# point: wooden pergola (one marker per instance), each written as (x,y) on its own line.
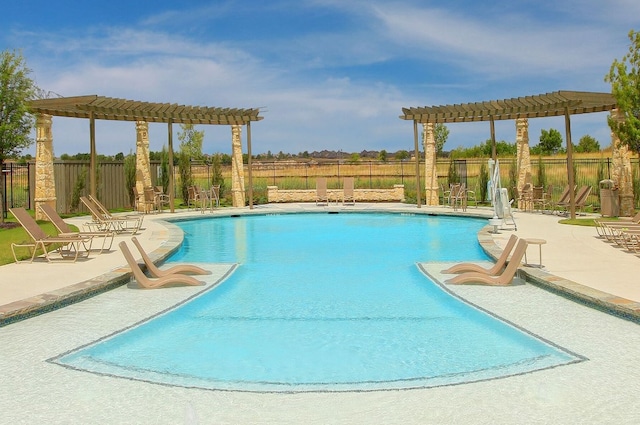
(560,103)
(95,107)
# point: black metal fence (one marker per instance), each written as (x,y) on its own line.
(16,188)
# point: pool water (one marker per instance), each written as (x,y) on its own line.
(323,302)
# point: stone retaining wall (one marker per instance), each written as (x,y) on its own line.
(275,195)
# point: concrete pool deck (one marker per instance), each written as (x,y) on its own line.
(601,390)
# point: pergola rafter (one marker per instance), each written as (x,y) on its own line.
(560,103)
(94,107)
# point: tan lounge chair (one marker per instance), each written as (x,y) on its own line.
(135,216)
(104,222)
(150,283)
(501,280)
(608,228)
(492,271)
(579,199)
(348,196)
(67,247)
(563,200)
(66,231)
(321,191)
(156,272)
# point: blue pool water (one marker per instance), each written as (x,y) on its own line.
(323,302)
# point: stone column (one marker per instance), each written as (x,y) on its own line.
(45,181)
(621,172)
(430,168)
(237,167)
(143,166)
(523,155)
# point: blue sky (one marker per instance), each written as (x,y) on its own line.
(328,74)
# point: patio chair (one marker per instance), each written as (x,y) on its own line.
(162,198)
(68,248)
(66,231)
(156,272)
(470,195)
(525,202)
(492,271)
(348,196)
(193,196)
(215,195)
(458,196)
(445,194)
(150,200)
(117,224)
(505,278)
(538,198)
(321,191)
(151,283)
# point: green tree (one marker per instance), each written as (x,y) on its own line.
(186,176)
(383,155)
(402,155)
(216,173)
(130,175)
(191,141)
(441,134)
(624,77)
(587,144)
(16,89)
(354,158)
(550,142)
(164,169)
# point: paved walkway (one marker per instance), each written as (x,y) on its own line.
(575,260)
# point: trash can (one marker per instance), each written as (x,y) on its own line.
(609,201)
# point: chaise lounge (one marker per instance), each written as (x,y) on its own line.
(492,271)
(66,231)
(67,247)
(156,272)
(505,278)
(150,283)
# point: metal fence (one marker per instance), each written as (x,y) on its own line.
(112,190)
(15,191)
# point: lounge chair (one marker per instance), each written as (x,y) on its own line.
(606,227)
(156,272)
(150,283)
(132,217)
(500,280)
(66,231)
(564,201)
(67,247)
(492,271)
(579,201)
(321,191)
(118,224)
(348,196)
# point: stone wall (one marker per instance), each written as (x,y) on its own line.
(275,195)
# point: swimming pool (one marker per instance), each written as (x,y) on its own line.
(322,302)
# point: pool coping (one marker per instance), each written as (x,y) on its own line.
(40,304)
